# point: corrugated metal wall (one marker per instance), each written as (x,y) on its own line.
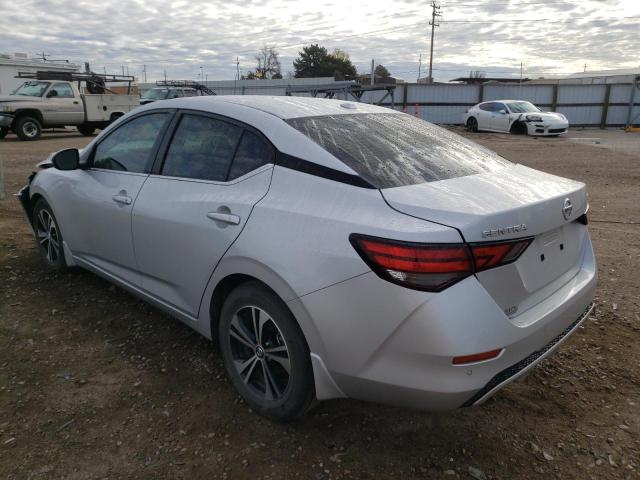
(581,104)
(446,103)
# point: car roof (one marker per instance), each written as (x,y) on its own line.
(260,111)
(283,107)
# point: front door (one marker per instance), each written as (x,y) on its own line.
(500,117)
(63,107)
(106,195)
(189,214)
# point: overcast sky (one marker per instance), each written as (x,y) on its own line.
(494,36)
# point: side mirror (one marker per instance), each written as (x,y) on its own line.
(52,93)
(68,159)
(503,111)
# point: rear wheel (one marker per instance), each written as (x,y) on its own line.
(48,236)
(3,132)
(265,353)
(28,128)
(472,124)
(86,130)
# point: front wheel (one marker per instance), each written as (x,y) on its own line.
(265,353)
(86,130)
(28,128)
(472,124)
(3,132)
(48,236)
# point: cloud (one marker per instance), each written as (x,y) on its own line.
(179,36)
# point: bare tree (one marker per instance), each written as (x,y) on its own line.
(476,74)
(268,63)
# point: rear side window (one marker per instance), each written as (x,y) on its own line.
(487,107)
(253,152)
(129,147)
(391,149)
(202,148)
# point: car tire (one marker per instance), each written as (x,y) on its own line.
(3,132)
(472,124)
(28,128)
(271,369)
(86,130)
(48,236)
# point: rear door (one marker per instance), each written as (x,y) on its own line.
(196,203)
(105,195)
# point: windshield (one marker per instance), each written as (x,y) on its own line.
(522,107)
(391,149)
(31,89)
(156,94)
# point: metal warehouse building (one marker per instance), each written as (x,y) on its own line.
(11,64)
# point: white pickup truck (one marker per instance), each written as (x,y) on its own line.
(40,103)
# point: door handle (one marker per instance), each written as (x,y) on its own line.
(229,218)
(75,103)
(122,199)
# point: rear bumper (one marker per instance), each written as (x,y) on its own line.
(511,373)
(389,344)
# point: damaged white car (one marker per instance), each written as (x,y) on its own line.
(514,116)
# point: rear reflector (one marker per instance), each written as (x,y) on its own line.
(432,267)
(477,357)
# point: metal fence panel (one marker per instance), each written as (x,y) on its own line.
(581,94)
(538,94)
(618,115)
(582,115)
(455,93)
(621,94)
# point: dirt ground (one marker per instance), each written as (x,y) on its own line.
(95,384)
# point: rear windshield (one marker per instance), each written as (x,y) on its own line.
(392,150)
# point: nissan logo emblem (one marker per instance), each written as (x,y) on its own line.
(567,208)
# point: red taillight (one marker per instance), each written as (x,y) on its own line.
(432,267)
(489,255)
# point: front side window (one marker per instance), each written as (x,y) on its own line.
(129,148)
(31,89)
(155,94)
(523,107)
(253,152)
(202,148)
(63,90)
(394,149)
(499,106)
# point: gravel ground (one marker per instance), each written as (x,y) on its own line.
(97,384)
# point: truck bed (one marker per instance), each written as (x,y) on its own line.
(99,108)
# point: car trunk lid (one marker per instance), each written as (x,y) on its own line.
(514,202)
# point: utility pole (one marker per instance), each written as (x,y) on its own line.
(520,86)
(144,69)
(435,14)
(585,67)
(165,75)
(372,70)
(419,66)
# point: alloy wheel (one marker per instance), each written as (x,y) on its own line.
(48,236)
(260,353)
(30,129)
